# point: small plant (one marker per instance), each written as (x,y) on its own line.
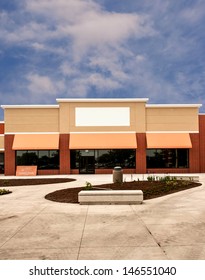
(4,191)
(88,186)
(171,183)
(151,178)
(184,183)
(167,179)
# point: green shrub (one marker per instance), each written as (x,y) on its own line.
(4,191)
(151,178)
(171,183)
(88,186)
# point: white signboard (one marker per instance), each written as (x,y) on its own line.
(102,116)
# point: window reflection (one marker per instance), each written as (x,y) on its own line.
(44,159)
(105,158)
(167,158)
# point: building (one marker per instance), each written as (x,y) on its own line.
(94,135)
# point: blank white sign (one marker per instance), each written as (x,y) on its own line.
(102,116)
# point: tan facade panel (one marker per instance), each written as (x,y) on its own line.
(1,142)
(36,142)
(103,141)
(168,141)
(172,119)
(64,118)
(68,117)
(31,120)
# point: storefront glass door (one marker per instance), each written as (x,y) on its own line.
(87,162)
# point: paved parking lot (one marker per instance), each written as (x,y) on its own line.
(170,227)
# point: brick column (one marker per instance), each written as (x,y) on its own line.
(141,153)
(1,128)
(202,142)
(194,154)
(9,156)
(64,154)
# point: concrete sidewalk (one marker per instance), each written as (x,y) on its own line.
(170,227)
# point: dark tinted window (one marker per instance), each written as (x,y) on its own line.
(48,159)
(167,158)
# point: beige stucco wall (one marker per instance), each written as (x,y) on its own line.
(172,119)
(31,120)
(61,118)
(1,142)
(67,117)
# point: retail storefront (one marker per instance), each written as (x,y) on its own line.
(95,135)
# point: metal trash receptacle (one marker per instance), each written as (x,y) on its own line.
(117,175)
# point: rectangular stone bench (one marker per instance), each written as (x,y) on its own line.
(110,197)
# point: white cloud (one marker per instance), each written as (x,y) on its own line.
(68,11)
(83,21)
(79,48)
(194,14)
(102,83)
(109,64)
(67,70)
(102,29)
(140,58)
(43,85)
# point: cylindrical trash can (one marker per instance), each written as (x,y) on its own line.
(117,175)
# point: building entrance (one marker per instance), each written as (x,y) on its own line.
(87,162)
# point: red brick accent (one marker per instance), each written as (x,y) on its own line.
(194,152)
(9,156)
(74,171)
(105,171)
(202,142)
(110,171)
(141,153)
(1,128)
(167,170)
(64,154)
(49,172)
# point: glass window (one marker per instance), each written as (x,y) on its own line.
(105,158)
(48,159)
(43,159)
(74,159)
(1,163)
(54,159)
(26,158)
(167,158)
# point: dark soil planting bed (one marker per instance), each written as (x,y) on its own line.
(151,189)
(24,182)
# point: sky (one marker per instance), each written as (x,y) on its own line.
(102,49)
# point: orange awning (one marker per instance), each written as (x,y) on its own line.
(36,142)
(103,141)
(168,140)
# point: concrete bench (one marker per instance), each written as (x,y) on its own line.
(110,197)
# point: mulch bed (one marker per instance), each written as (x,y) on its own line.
(23,182)
(151,189)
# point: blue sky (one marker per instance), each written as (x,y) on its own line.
(101,48)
